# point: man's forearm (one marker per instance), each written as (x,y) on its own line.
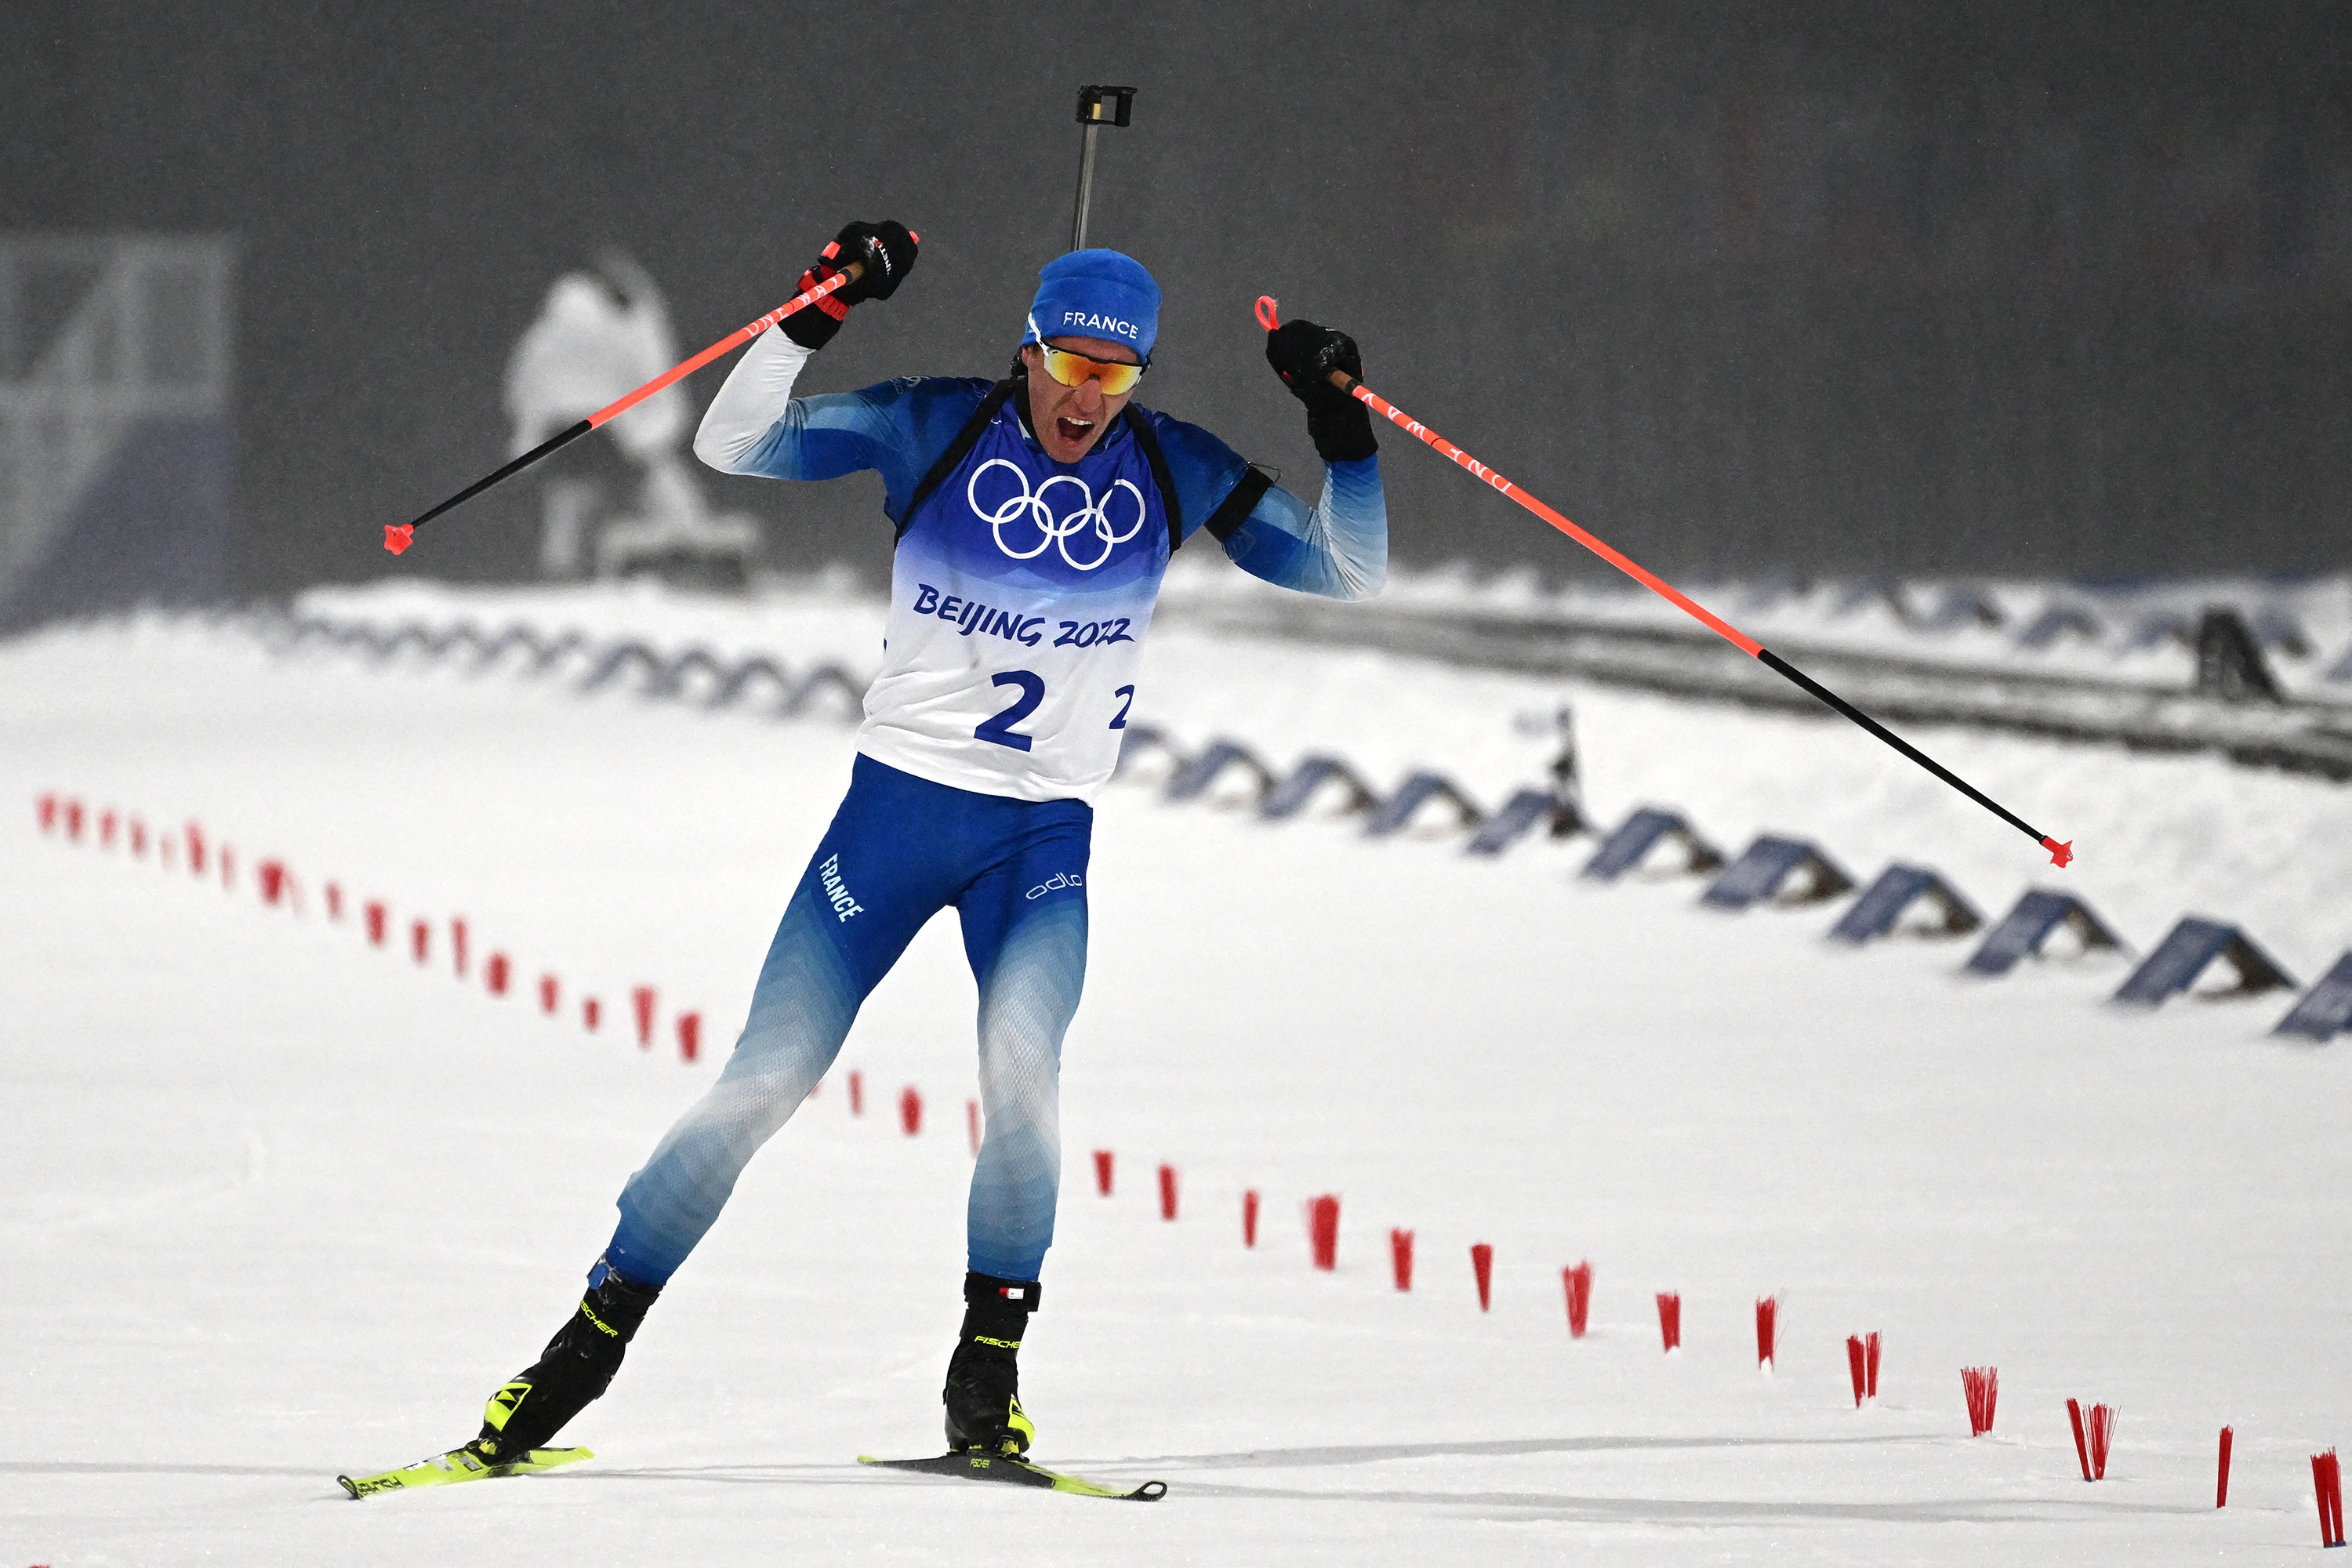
(1339,549)
(755,395)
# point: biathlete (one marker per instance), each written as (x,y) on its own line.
(1034,517)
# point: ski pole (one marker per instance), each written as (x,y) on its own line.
(1094,114)
(2060,854)
(398,537)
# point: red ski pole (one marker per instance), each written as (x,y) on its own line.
(2060,854)
(398,537)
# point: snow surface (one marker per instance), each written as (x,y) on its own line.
(280,1205)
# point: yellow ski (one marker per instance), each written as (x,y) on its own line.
(458,1465)
(972,1465)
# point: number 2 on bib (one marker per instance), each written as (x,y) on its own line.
(999,730)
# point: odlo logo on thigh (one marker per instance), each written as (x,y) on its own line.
(1059,880)
(835,889)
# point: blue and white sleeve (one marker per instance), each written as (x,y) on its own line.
(755,424)
(1339,549)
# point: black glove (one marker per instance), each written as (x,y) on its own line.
(1305,355)
(886,252)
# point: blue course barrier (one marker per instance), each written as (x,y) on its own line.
(1765,869)
(1413,795)
(2058,621)
(2024,929)
(1896,889)
(1140,741)
(1643,831)
(1195,777)
(1289,798)
(2185,954)
(1525,812)
(2325,1009)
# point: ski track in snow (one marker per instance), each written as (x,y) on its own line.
(281,1204)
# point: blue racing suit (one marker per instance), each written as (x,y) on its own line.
(1021,592)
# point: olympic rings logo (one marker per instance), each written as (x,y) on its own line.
(1051,531)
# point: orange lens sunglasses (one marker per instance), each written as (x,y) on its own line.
(1070,369)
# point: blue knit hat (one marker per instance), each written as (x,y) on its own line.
(1096,294)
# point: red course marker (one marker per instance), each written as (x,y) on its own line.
(2327,1482)
(548,989)
(375,914)
(911,1111)
(2082,1448)
(2101,1420)
(971,1124)
(494,971)
(1482,1264)
(643,999)
(457,944)
(856,1094)
(1102,1172)
(2221,1479)
(1578,1282)
(689,1036)
(1323,1230)
(592,1012)
(1670,1319)
(420,937)
(47,807)
(1400,1257)
(2060,854)
(1167,1192)
(1862,1359)
(1768,1328)
(1249,1218)
(1981,1385)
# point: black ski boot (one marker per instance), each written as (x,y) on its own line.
(983,1391)
(576,1366)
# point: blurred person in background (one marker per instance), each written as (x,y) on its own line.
(599,336)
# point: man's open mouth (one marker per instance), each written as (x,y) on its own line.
(1073,430)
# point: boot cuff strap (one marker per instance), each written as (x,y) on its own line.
(987,1289)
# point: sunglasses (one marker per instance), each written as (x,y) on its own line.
(1070,369)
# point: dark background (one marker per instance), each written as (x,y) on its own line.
(2014,288)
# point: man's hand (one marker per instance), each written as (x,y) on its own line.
(1305,355)
(884,253)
